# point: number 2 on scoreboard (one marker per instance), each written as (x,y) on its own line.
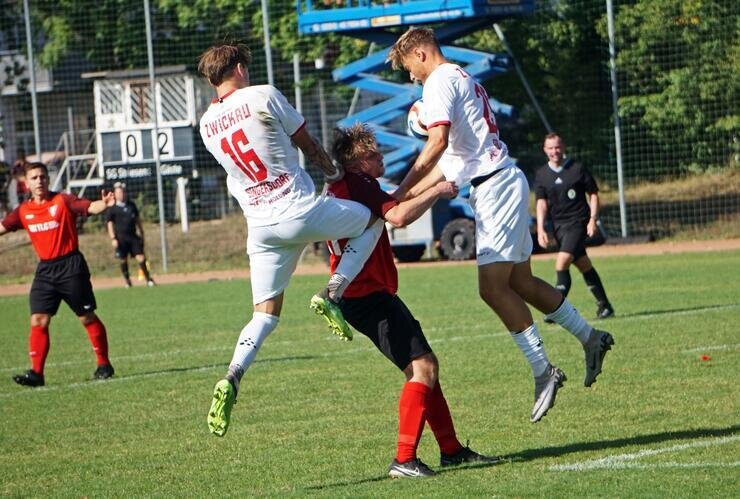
(244,157)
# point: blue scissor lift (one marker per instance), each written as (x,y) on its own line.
(370,20)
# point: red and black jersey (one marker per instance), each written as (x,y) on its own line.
(50,224)
(379,272)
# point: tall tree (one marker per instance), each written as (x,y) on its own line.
(680,61)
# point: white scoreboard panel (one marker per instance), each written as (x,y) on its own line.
(135,146)
(130,153)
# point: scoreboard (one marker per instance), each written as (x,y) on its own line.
(125,134)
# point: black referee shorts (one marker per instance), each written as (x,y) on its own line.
(129,245)
(386,320)
(66,278)
(571,239)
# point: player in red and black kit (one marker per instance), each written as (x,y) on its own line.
(62,273)
(371,306)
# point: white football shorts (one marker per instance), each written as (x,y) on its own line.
(274,250)
(502,218)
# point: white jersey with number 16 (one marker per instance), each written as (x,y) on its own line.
(249,133)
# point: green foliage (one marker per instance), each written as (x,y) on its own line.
(679,64)
(115,38)
(147,210)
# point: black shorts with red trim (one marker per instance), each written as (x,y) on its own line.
(389,324)
(132,245)
(65,278)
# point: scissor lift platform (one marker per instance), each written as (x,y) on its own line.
(315,16)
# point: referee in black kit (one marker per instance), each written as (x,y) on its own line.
(122,220)
(562,187)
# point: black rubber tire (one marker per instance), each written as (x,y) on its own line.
(457,241)
(409,253)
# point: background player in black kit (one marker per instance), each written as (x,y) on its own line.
(562,187)
(123,221)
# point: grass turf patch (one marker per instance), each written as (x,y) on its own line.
(317,416)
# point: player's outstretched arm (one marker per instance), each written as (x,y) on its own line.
(428,158)
(409,211)
(432,178)
(3,230)
(107,199)
(316,155)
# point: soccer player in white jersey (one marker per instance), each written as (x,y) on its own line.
(251,131)
(464,146)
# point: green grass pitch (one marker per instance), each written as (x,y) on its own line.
(317,416)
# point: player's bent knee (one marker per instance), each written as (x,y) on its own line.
(40,320)
(88,318)
(426,368)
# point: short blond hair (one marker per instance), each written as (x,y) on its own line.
(219,61)
(352,143)
(414,37)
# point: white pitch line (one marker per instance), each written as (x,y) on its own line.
(639,466)
(89,384)
(610,462)
(99,383)
(712,348)
(486,325)
(229,347)
(699,310)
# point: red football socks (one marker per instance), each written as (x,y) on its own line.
(38,347)
(440,421)
(99,340)
(411,416)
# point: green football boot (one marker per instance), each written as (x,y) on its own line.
(330,311)
(219,415)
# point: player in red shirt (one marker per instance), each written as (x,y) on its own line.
(62,273)
(371,305)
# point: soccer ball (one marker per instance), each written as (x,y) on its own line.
(415,124)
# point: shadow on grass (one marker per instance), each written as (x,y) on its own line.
(214,366)
(676,310)
(562,450)
(383,477)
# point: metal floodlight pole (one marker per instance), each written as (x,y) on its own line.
(617,124)
(520,73)
(155,138)
(298,98)
(268,50)
(32,74)
(356,95)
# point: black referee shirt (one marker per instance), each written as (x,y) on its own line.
(123,218)
(565,192)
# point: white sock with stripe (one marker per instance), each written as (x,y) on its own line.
(530,343)
(354,255)
(249,343)
(568,317)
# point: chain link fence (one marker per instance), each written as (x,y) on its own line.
(677,66)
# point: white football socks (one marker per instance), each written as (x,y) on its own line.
(568,317)
(530,343)
(354,255)
(250,341)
